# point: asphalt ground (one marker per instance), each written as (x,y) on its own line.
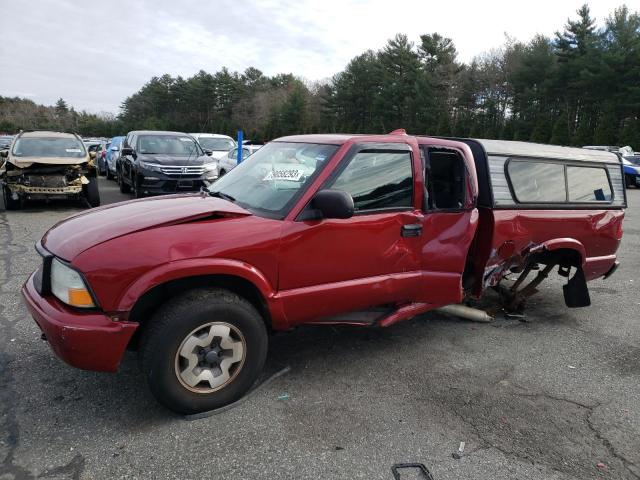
(555,397)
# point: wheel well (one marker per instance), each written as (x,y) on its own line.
(153,299)
(564,257)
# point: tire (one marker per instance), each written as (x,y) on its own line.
(109,174)
(101,172)
(628,181)
(222,173)
(124,188)
(9,202)
(137,193)
(91,192)
(179,321)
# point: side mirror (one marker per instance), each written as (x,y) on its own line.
(92,155)
(127,151)
(208,152)
(333,204)
(4,153)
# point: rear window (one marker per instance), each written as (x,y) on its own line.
(546,182)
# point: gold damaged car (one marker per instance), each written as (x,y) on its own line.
(44,165)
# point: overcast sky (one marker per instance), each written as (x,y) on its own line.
(96,53)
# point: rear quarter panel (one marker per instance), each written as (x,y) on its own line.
(595,234)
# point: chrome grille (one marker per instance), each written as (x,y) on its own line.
(181,171)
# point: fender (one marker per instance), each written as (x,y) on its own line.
(193,267)
(568,243)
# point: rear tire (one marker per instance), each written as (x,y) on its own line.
(174,353)
(9,202)
(91,192)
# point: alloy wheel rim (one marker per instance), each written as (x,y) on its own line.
(210,357)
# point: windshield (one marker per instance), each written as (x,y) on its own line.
(216,144)
(270,179)
(48,147)
(168,145)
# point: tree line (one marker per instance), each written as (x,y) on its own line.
(579,87)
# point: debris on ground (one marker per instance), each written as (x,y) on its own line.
(458,455)
(422,470)
(283,397)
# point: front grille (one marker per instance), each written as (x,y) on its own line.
(177,171)
(45,181)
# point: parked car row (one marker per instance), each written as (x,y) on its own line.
(5,141)
(43,165)
(630,162)
(149,162)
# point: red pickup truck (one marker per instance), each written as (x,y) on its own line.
(318,229)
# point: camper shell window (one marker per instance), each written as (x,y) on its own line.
(542,182)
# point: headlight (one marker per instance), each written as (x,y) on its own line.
(149,166)
(69,287)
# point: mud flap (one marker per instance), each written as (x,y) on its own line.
(576,292)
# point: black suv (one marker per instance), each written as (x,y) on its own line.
(154,162)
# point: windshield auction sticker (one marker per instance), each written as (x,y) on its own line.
(291,174)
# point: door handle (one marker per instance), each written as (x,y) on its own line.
(412,230)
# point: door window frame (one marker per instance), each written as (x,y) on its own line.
(424,158)
(381,147)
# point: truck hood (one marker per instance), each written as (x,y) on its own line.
(76,234)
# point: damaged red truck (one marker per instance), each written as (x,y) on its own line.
(318,229)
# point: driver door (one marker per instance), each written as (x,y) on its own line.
(334,266)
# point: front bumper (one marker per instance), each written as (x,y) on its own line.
(150,182)
(87,340)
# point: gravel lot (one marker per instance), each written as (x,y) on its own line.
(550,398)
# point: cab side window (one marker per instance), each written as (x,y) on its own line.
(445,177)
(378,180)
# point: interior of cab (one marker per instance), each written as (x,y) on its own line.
(445,179)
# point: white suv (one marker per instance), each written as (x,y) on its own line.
(217,146)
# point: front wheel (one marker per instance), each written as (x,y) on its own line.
(202,350)
(135,187)
(91,192)
(124,188)
(10,203)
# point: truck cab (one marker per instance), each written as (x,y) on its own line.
(366,230)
